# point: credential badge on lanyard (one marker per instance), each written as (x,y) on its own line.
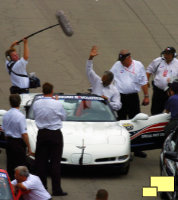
(133,68)
(165,72)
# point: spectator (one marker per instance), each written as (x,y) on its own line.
(164,69)
(102,86)
(130,77)
(172,106)
(49,114)
(17,66)
(30,185)
(14,126)
(102,194)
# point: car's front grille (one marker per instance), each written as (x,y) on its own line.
(63,159)
(105,159)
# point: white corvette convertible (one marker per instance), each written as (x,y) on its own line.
(93,136)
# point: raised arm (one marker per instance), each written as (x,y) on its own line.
(26,49)
(92,76)
(14,44)
(93,53)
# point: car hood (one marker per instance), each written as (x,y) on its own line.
(92,133)
(88,133)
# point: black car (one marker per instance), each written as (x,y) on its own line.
(169,163)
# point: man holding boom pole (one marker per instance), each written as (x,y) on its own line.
(17,66)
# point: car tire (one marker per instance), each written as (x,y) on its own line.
(163,195)
(125,170)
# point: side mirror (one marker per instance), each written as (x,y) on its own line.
(140,116)
(171,155)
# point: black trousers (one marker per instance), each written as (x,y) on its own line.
(130,106)
(49,147)
(159,100)
(16,154)
(17,90)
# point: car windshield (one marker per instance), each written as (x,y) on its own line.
(84,108)
(5,191)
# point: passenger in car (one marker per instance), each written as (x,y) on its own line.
(172,107)
(102,86)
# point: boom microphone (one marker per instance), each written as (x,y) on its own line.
(65,25)
(62,21)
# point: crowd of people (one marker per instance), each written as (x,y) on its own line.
(120,85)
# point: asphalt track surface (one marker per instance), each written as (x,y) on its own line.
(145,27)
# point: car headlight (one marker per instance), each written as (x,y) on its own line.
(123,157)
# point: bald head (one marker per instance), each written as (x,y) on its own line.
(124,51)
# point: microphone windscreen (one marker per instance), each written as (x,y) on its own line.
(64,23)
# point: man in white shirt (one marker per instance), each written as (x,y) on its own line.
(49,114)
(164,69)
(15,66)
(30,185)
(130,77)
(102,86)
(15,129)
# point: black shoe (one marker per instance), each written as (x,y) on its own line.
(59,194)
(140,154)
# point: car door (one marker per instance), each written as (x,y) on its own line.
(146,133)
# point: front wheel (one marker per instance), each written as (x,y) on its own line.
(163,195)
(125,170)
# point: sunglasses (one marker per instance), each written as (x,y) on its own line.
(122,57)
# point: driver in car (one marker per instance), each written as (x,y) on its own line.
(102,86)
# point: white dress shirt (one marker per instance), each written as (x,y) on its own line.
(162,71)
(110,91)
(19,68)
(37,190)
(129,80)
(49,113)
(14,123)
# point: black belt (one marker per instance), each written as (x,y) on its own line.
(131,94)
(12,138)
(157,88)
(24,89)
(45,129)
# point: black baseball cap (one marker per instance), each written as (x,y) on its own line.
(174,85)
(169,50)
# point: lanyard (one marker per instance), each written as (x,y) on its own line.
(133,68)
